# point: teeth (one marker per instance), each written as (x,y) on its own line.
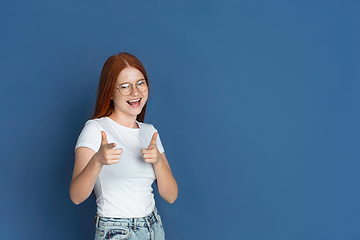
(134,100)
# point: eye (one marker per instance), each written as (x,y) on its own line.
(125,85)
(141,82)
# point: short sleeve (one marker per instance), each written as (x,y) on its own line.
(90,136)
(158,142)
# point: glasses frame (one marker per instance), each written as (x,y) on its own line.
(132,86)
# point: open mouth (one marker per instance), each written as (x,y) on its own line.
(134,102)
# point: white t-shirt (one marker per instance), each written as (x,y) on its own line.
(122,190)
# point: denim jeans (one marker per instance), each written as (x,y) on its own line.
(146,228)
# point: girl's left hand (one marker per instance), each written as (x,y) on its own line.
(151,154)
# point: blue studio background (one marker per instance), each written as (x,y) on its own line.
(257,104)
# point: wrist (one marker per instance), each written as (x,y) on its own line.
(159,161)
(96,160)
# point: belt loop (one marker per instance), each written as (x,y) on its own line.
(147,222)
(96,221)
(156,214)
(134,227)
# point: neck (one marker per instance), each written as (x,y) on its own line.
(126,121)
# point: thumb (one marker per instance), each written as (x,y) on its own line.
(103,138)
(153,139)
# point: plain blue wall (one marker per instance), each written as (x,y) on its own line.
(257,104)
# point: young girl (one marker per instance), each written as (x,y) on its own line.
(119,157)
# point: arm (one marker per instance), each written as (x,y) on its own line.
(87,168)
(166,183)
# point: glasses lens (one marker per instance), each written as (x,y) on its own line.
(142,85)
(125,89)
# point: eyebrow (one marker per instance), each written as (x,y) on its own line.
(131,83)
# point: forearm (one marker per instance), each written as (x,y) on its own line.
(82,185)
(166,183)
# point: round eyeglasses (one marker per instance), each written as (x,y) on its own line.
(126,89)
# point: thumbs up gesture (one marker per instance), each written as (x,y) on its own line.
(151,154)
(107,155)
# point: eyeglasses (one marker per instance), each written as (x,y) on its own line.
(126,89)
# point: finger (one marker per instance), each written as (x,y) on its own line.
(110,145)
(153,150)
(103,138)
(115,152)
(149,156)
(153,139)
(112,162)
(118,151)
(114,157)
(110,155)
(145,150)
(148,160)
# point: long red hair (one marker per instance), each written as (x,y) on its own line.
(104,106)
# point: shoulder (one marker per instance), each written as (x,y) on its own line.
(90,135)
(91,123)
(97,123)
(147,127)
(93,127)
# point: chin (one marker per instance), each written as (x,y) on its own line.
(135,112)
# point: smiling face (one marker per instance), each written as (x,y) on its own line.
(128,107)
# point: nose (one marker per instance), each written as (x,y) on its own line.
(135,91)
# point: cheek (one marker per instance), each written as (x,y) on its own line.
(146,97)
(118,100)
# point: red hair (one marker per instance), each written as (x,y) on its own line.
(104,106)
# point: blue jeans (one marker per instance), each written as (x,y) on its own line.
(149,228)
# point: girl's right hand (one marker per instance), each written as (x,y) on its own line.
(107,155)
